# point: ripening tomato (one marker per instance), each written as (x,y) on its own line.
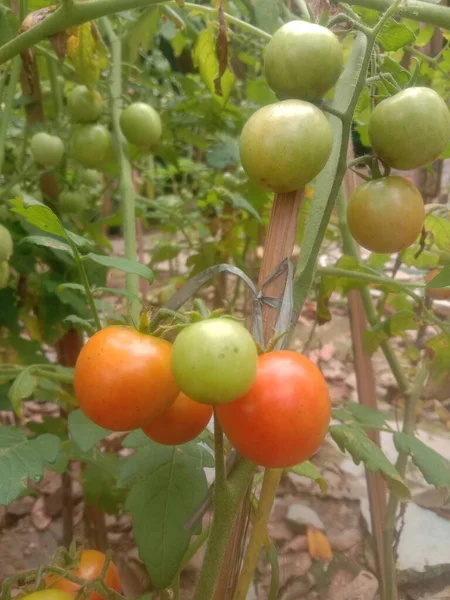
(47,150)
(386,215)
(283,146)
(284,418)
(411,129)
(84,105)
(141,125)
(49,594)
(303,60)
(123,378)
(90,565)
(436,293)
(180,423)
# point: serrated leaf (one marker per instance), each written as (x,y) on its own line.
(307,469)
(440,228)
(87,53)
(22,387)
(361,448)
(39,215)
(367,417)
(22,459)
(441,280)
(48,242)
(394,325)
(395,35)
(167,484)
(123,264)
(84,432)
(434,467)
(140,34)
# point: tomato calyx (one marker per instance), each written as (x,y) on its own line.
(377,168)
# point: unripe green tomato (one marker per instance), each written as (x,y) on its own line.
(84,105)
(303,60)
(49,594)
(91,145)
(4,274)
(91,177)
(141,125)
(72,202)
(6,244)
(285,145)
(411,129)
(46,149)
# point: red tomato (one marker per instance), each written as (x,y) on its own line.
(283,419)
(90,565)
(180,423)
(123,378)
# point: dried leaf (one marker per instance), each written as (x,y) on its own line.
(87,53)
(59,44)
(36,17)
(318,545)
(221,50)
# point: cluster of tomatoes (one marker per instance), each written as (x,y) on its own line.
(274,407)
(286,144)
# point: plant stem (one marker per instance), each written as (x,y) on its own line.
(85,283)
(8,107)
(55,87)
(126,186)
(425,12)
(194,547)
(409,423)
(259,531)
(219,456)
(275,581)
(368,277)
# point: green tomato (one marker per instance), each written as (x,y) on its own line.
(303,60)
(91,177)
(91,145)
(4,274)
(72,202)
(411,129)
(49,594)
(283,146)
(141,125)
(46,149)
(84,105)
(386,215)
(214,361)
(6,244)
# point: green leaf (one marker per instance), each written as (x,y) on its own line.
(439,346)
(84,432)
(361,448)
(424,35)
(81,323)
(123,264)
(48,242)
(395,35)
(100,483)
(440,228)
(239,202)
(424,260)
(367,417)
(434,467)
(223,154)
(307,469)
(267,15)
(140,34)
(23,387)
(167,484)
(441,280)
(396,324)
(22,459)
(39,215)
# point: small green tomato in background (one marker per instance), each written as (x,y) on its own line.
(6,244)
(283,146)
(91,177)
(47,150)
(73,202)
(214,361)
(303,60)
(4,274)
(84,105)
(141,125)
(91,145)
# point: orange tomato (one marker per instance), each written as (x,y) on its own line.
(180,423)
(123,378)
(284,418)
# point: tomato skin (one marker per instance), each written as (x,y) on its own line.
(91,177)
(91,145)
(123,378)
(72,202)
(285,145)
(89,567)
(6,244)
(436,293)
(180,423)
(284,418)
(141,125)
(49,594)
(411,129)
(214,361)
(303,60)
(84,105)
(386,215)
(46,149)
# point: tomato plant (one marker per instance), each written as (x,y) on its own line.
(84,105)
(303,60)
(214,361)
(410,129)
(183,421)
(386,215)
(141,125)
(6,244)
(89,567)
(123,378)
(91,145)
(280,137)
(47,150)
(283,419)
(72,202)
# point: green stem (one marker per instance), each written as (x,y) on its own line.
(8,107)
(368,277)
(126,186)
(425,12)
(195,547)
(56,88)
(219,456)
(259,532)
(275,580)
(85,283)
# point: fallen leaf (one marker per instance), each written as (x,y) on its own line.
(318,545)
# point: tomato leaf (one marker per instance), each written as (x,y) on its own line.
(140,34)
(395,35)
(22,459)
(394,325)
(307,469)
(439,348)
(39,215)
(267,15)
(123,264)
(48,242)
(434,467)
(23,387)
(84,432)
(361,448)
(366,417)
(440,228)
(167,485)
(424,260)
(100,483)
(87,53)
